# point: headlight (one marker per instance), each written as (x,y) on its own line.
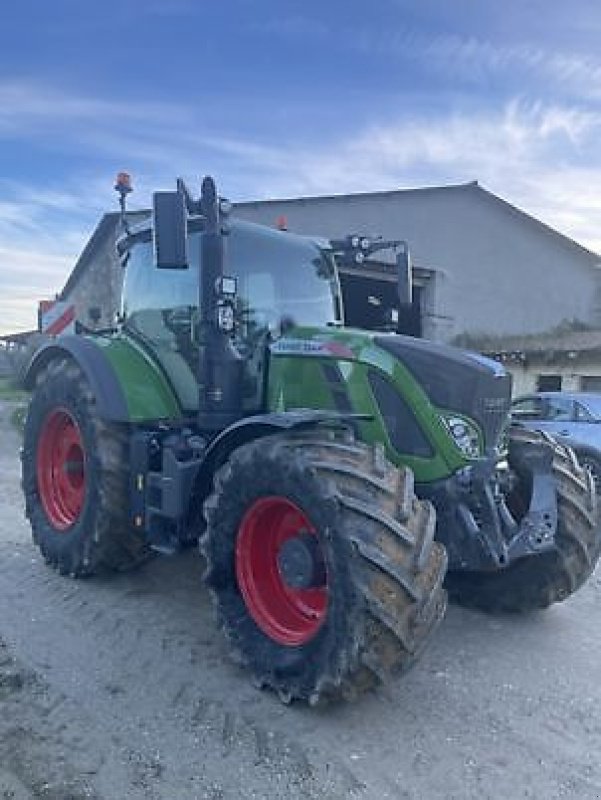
(465,435)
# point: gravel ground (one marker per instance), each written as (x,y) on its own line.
(121,687)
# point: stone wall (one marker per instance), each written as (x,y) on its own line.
(94,286)
(98,289)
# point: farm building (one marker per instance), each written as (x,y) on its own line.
(483,268)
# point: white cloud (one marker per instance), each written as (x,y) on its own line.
(41,235)
(530,155)
(474,59)
(26,276)
(24,104)
(541,157)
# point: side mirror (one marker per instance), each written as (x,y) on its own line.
(404,274)
(170,230)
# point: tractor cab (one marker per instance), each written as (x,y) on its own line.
(279,281)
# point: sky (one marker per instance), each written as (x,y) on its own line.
(286,99)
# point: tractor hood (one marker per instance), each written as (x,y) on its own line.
(456,380)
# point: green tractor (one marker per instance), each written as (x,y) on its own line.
(330,474)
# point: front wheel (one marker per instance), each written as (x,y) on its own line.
(322,564)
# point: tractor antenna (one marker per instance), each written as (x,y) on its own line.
(123,187)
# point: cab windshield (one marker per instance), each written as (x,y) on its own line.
(283,281)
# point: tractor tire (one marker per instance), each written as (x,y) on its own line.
(76,479)
(593,464)
(535,582)
(379,592)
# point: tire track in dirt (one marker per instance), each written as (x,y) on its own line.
(127,652)
(127,649)
(48,748)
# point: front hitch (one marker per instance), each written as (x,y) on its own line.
(536,533)
(479,522)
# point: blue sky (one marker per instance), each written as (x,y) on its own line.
(287,98)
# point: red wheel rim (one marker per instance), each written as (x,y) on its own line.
(61,469)
(287,615)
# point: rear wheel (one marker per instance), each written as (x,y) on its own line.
(538,581)
(322,564)
(75,477)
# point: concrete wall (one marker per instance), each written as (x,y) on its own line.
(496,271)
(573,373)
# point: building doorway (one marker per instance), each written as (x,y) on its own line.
(371,302)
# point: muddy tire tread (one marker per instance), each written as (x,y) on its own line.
(396,570)
(109,542)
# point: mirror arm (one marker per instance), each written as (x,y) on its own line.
(192,206)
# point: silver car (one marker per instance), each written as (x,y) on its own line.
(573,418)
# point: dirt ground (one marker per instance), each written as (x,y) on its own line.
(120,688)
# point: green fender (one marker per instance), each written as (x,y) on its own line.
(127,384)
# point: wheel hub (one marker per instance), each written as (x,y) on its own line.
(300,562)
(281,572)
(61,469)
